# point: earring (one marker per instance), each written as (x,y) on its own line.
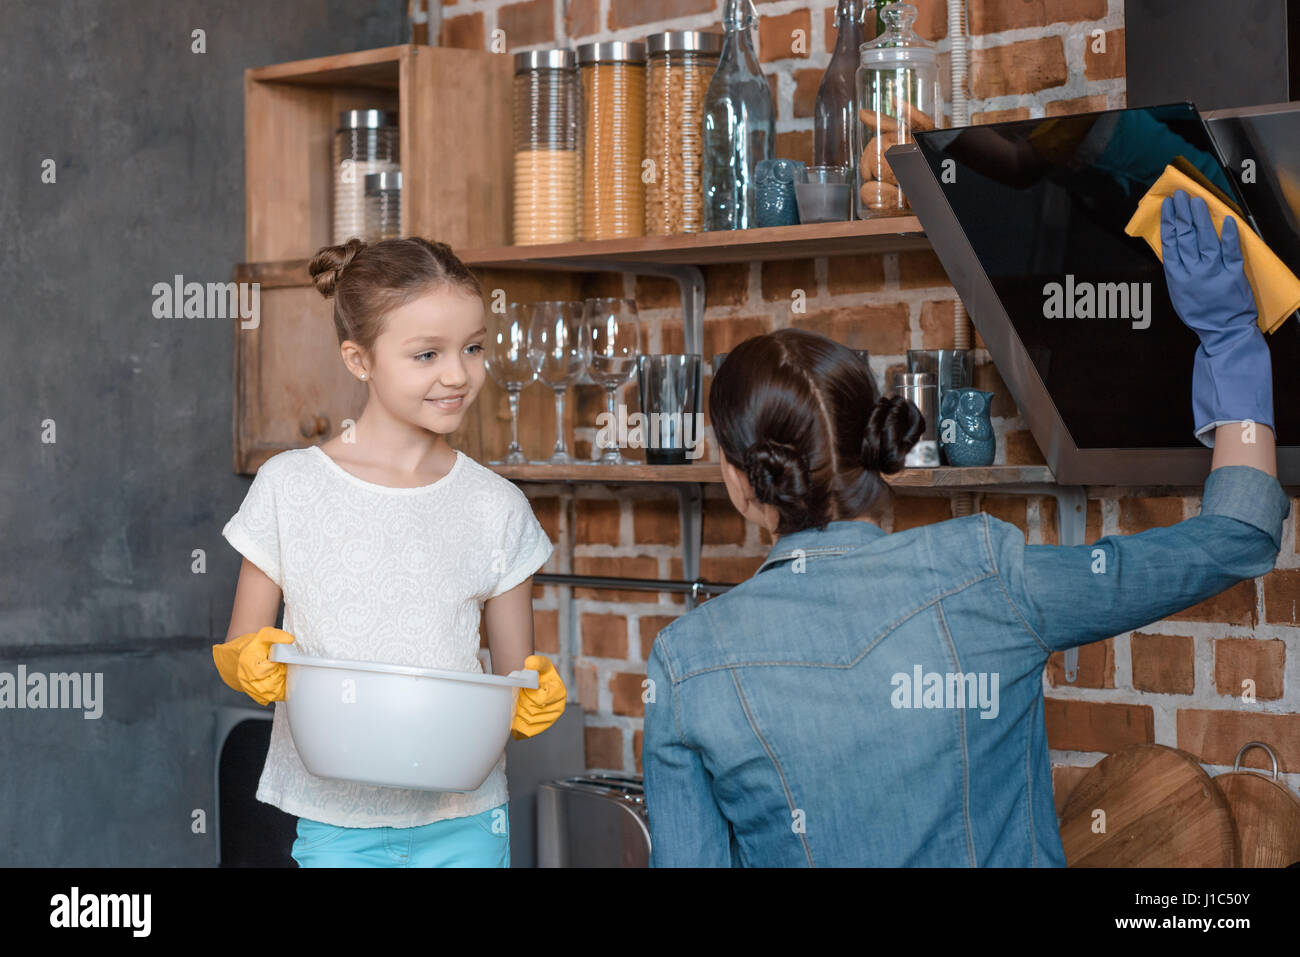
(363,377)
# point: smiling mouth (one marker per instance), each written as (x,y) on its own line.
(448,403)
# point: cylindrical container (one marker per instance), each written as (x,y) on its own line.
(670,395)
(366,142)
(547,122)
(920,389)
(383,206)
(613,139)
(898,92)
(679,66)
(825,194)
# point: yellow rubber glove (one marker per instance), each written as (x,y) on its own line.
(537,709)
(244,665)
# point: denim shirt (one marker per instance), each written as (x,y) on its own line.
(877,699)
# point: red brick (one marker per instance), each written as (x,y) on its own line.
(1096,666)
(656,522)
(1108,65)
(626,688)
(1235,606)
(634,13)
(597,521)
(1022,449)
(937,324)
(527,24)
(1018,68)
(1048,525)
(1217,736)
(641,566)
(1282,596)
(987,379)
(588,691)
(604,748)
(781,277)
(921,269)
(913,511)
(637,738)
(1262,661)
(846,275)
(721,524)
(719,335)
(581,18)
(731,569)
(546,632)
(806,84)
(650,626)
(465,32)
(999,116)
(1009,508)
(995,16)
(795,145)
(776,36)
(547,511)
(1163,664)
(725,284)
(1082,104)
(1141,513)
(1097,725)
(880,329)
(604,636)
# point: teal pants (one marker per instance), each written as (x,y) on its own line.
(482,840)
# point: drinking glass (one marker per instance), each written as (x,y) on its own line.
(511,368)
(615,336)
(559,350)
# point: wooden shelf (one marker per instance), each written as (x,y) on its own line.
(887,234)
(710,473)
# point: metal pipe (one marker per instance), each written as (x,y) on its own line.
(693,588)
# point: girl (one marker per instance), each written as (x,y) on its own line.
(877,699)
(387,545)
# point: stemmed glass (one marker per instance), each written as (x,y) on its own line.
(615,335)
(509,365)
(559,349)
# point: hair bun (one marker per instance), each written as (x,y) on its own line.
(327,265)
(777,472)
(894,428)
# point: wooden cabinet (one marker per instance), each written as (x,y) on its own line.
(454,108)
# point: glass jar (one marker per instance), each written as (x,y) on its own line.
(546,122)
(679,66)
(739,124)
(613,139)
(898,92)
(383,206)
(366,142)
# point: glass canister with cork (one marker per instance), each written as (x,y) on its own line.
(898,92)
(613,77)
(547,104)
(679,66)
(366,142)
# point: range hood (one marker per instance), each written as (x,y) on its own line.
(1028,220)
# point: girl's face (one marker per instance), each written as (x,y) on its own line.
(428,362)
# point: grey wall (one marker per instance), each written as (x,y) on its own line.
(97,529)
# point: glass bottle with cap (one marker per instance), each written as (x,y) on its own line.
(898,94)
(739,124)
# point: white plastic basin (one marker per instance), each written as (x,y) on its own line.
(397,726)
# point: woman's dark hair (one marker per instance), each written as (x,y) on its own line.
(798,413)
(370,280)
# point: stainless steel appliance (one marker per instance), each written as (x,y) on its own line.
(595,820)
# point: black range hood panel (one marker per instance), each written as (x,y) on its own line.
(1028,220)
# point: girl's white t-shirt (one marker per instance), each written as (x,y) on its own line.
(395,575)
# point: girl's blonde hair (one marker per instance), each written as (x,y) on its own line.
(370,280)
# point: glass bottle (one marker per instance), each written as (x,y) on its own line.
(835,117)
(739,124)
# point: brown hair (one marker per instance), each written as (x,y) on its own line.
(370,280)
(800,416)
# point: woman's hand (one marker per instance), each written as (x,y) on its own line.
(243,664)
(538,709)
(1232,378)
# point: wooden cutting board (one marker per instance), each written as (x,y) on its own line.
(1267,818)
(1161,810)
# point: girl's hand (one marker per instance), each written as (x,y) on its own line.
(537,709)
(243,664)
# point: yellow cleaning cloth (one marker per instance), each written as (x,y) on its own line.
(1276,288)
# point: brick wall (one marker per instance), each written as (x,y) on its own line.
(1176,682)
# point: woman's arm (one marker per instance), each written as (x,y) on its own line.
(257,602)
(508,619)
(1243,443)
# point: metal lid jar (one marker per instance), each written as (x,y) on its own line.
(613,139)
(365,142)
(679,66)
(546,143)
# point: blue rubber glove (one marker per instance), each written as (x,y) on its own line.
(1232,377)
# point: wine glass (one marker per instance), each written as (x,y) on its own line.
(615,336)
(511,368)
(559,350)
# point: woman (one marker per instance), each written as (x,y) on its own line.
(877,699)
